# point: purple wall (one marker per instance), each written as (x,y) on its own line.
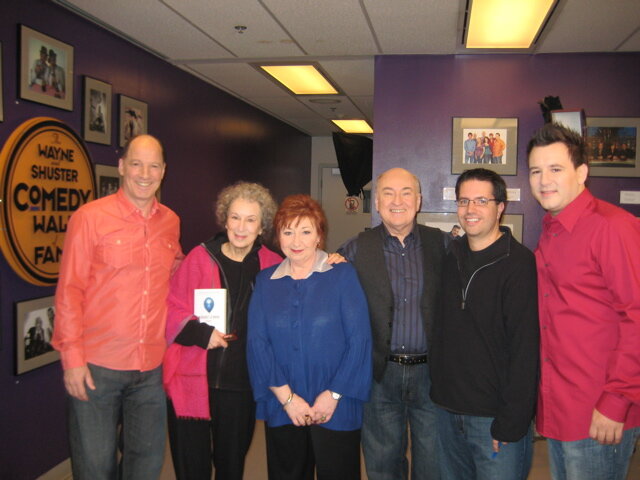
(211,139)
(417,96)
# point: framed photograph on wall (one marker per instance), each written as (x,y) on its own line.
(447,221)
(443,221)
(515,223)
(46,69)
(133,118)
(107,180)
(96,112)
(34,329)
(612,146)
(490,143)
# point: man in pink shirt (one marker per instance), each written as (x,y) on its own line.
(110,303)
(589,305)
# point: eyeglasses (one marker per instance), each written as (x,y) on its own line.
(479,202)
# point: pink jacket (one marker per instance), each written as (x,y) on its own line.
(185,368)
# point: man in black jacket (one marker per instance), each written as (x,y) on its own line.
(484,356)
(399,266)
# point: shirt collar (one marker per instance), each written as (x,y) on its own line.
(320,265)
(570,214)
(386,235)
(129,208)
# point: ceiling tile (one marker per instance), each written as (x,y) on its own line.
(365,104)
(415,26)
(345,109)
(632,44)
(355,77)
(148,22)
(591,26)
(283,107)
(241,78)
(329,27)
(263,36)
(314,126)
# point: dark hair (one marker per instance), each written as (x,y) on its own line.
(298,207)
(556,133)
(484,175)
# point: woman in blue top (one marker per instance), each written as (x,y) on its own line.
(309,352)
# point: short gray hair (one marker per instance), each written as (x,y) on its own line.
(252,192)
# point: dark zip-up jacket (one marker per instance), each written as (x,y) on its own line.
(485,346)
(227,367)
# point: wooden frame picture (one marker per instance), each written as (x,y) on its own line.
(46,69)
(490,143)
(96,114)
(133,118)
(107,180)
(446,222)
(34,329)
(612,146)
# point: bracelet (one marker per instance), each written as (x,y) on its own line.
(288,401)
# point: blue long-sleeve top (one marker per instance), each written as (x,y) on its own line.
(313,335)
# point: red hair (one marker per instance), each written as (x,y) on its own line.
(296,207)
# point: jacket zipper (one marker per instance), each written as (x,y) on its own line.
(466,289)
(224,350)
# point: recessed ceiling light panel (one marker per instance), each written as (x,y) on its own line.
(301,79)
(506,23)
(353,126)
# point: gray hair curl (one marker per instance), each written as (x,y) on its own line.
(252,192)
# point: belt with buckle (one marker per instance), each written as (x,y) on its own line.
(408,359)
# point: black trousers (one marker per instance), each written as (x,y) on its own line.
(225,439)
(294,452)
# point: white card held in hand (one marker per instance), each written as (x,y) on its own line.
(210,306)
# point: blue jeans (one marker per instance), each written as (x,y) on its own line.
(466,450)
(401,400)
(588,460)
(138,399)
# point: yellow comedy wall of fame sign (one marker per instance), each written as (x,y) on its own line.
(46,175)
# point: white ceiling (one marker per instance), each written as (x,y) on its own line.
(342,36)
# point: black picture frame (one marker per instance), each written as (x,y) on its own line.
(33,344)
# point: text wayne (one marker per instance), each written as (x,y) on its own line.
(36,198)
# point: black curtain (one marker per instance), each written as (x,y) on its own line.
(355,158)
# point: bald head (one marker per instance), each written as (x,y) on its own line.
(145,141)
(399,172)
(398,201)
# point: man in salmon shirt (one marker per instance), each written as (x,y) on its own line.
(588,264)
(497,149)
(119,252)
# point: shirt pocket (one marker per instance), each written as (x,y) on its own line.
(117,251)
(167,250)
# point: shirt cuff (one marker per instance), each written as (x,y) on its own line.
(72,359)
(613,406)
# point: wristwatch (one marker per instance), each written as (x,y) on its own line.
(336,395)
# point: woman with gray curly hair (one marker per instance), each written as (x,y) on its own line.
(210,403)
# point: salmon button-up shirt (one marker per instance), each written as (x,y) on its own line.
(113,285)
